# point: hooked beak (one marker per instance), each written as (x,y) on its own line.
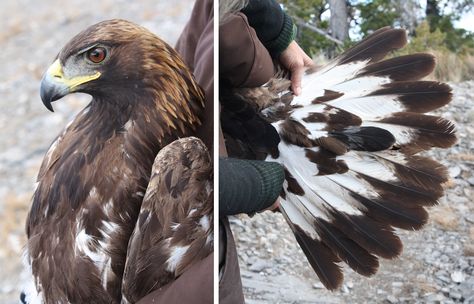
(55,85)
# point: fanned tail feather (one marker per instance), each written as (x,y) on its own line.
(349,144)
(321,258)
(403,68)
(375,47)
(416,132)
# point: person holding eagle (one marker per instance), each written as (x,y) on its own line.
(251,35)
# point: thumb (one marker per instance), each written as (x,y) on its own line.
(296,76)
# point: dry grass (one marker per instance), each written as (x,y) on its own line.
(453,67)
(469,157)
(449,66)
(445,217)
(12,218)
(14,27)
(449,184)
(469,247)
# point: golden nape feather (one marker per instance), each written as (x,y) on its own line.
(349,144)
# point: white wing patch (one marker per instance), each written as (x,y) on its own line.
(314,84)
(83,247)
(369,107)
(108,208)
(97,254)
(204,222)
(176,255)
(32,296)
(51,149)
(191,212)
(128,125)
(93,193)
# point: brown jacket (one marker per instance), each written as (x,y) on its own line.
(243,62)
(196,44)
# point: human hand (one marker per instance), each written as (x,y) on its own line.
(273,207)
(296,61)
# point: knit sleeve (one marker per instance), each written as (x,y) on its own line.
(248,186)
(273,26)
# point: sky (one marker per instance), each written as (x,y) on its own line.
(466,22)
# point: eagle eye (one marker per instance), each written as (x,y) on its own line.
(97,54)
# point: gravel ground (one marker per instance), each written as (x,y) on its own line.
(436,266)
(32,34)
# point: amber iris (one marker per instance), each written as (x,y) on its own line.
(96,55)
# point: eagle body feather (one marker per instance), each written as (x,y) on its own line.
(93,180)
(349,146)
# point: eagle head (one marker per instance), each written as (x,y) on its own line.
(121,62)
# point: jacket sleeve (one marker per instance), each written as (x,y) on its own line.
(273,26)
(195,286)
(243,60)
(196,47)
(248,186)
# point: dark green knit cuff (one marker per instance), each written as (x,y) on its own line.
(248,186)
(286,36)
(273,176)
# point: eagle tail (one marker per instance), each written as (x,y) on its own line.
(350,204)
(349,145)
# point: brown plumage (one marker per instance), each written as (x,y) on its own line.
(94,176)
(348,144)
(175,219)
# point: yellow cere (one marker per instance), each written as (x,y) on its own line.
(56,72)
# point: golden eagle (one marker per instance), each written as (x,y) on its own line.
(349,144)
(113,217)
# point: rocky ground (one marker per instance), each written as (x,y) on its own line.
(32,33)
(437,264)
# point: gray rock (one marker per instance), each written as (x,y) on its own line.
(470,218)
(457,277)
(318,285)
(435,298)
(454,171)
(345,289)
(397,284)
(259,266)
(455,295)
(467,289)
(350,284)
(444,279)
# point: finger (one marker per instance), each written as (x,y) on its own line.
(296,76)
(308,62)
(273,207)
(276,205)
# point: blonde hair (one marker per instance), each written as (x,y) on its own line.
(227,7)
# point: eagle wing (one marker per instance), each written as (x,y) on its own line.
(349,145)
(174,227)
